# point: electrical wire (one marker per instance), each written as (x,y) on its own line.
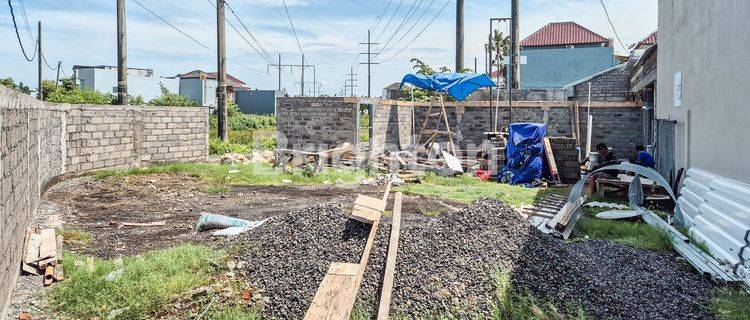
(389,21)
(192,38)
(606,13)
(265,53)
(419,34)
(240,33)
(286,9)
(26,20)
(409,14)
(416,22)
(18,36)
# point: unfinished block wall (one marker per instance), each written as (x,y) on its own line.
(391,128)
(619,126)
(316,123)
(609,86)
(40,141)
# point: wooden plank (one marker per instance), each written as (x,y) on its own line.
(390,262)
(144,224)
(364,216)
(551,160)
(387,190)
(370,202)
(48,245)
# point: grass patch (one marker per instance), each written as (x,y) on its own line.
(247,174)
(639,235)
(73,235)
(731,303)
(147,286)
(467,188)
(511,303)
(216,190)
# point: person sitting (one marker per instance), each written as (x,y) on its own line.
(644,158)
(606,158)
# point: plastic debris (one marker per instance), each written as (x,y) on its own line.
(618,214)
(596,204)
(228,226)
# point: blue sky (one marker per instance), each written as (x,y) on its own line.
(83,32)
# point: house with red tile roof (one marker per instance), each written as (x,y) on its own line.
(562,52)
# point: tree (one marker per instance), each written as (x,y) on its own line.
(421,67)
(500,45)
(8,82)
(171,99)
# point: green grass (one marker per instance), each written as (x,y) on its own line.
(639,235)
(216,190)
(467,188)
(731,303)
(513,303)
(247,174)
(74,235)
(148,285)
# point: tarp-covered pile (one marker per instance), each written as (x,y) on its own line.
(458,85)
(525,148)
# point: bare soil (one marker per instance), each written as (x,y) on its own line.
(98,207)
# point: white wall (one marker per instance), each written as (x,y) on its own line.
(709,42)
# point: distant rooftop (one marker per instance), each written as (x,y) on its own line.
(562,33)
(232,81)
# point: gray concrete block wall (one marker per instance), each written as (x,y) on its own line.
(316,123)
(40,141)
(611,86)
(392,128)
(618,128)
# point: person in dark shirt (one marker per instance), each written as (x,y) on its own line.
(606,158)
(644,158)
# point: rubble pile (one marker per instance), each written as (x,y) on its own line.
(447,265)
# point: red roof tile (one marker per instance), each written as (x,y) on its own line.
(562,33)
(231,81)
(650,39)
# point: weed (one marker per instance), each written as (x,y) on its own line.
(216,190)
(74,235)
(731,303)
(639,235)
(512,303)
(146,285)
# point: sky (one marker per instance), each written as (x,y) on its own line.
(83,32)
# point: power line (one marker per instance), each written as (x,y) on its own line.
(380,17)
(286,9)
(26,20)
(389,20)
(189,36)
(613,26)
(420,32)
(18,36)
(403,21)
(240,33)
(267,55)
(416,22)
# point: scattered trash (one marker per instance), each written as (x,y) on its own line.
(618,214)
(597,204)
(112,276)
(229,226)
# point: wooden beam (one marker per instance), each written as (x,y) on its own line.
(333,298)
(390,263)
(551,160)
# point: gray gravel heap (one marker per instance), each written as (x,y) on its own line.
(446,264)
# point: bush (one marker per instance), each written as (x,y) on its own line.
(8,82)
(216,146)
(170,99)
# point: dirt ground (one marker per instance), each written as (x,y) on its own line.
(98,207)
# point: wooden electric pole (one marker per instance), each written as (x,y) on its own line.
(221,90)
(122,56)
(459,35)
(515,58)
(57,78)
(369,62)
(40,57)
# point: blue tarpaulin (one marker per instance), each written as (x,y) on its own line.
(523,158)
(458,85)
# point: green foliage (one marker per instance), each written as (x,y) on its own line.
(639,235)
(364,126)
(467,188)
(8,82)
(247,174)
(216,146)
(513,303)
(731,303)
(170,99)
(148,286)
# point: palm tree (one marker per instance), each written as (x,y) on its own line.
(421,67)
(500,44)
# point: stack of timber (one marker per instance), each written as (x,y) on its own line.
(541,212)
(43,254)
(566,158)
(346,154)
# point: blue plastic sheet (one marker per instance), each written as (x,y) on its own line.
(523,159)
(458,85)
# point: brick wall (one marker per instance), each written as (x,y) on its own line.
(316,123)
(613,85)
(40,141)
(616,124)
(391,128)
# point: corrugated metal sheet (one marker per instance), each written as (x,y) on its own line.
(717,213)
(665,148)
(562,33)
(650,39)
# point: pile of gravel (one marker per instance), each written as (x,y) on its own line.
(446,266)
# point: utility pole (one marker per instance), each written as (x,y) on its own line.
(302,90)
(57,78)
(459,35)
(40,57)
(221,93)
(475,65)
(302,67)
(369,62)
(515,46)
(277,66)
(122,56)
(350,82)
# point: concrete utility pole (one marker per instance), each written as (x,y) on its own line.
(459,35)
(369,62)
(475,65)
(350,82)
(122,56)
(57,78)
(40,57)
(302,67)
(515,45)
(278,66)
(221,90)
(302,90)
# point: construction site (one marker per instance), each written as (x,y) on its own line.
(593,198)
